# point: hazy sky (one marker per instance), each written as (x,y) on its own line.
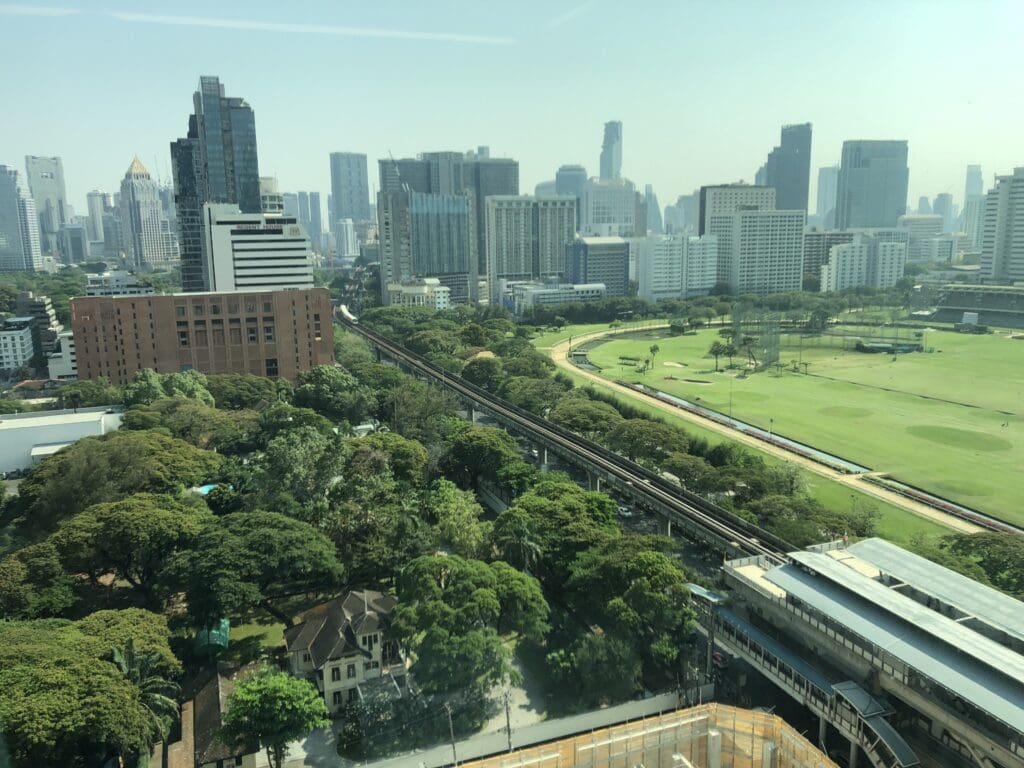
(701,87)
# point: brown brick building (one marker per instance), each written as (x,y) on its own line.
(266,333)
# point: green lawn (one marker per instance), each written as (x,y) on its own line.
(890,415)
(894,523)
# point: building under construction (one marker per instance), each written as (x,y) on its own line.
(707,736)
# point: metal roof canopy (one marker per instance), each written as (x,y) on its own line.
(987,605)
(963,675)
(955,635)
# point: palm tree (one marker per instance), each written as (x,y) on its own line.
(717,350)
(157,694)
(517,542)
(654,350)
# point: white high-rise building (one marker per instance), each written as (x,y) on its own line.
(608,208)
(1002,239)
(526,237)
(866,261)
(920,228)
(271,199)
(348,242)
(676,266)
(246,251)
(766,251)
(717,206)
(19,225)
(148,236)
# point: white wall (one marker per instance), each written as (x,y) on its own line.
(20,433)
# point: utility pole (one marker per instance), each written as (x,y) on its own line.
(508,718)
(451,733)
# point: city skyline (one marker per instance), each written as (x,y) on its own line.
(729,124)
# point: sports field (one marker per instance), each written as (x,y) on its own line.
(950,420)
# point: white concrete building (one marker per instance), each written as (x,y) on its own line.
(766,251)
(420,292)
(16,347)
(920,228)
(19,225)
(1002,236)
(62,364)
(246,251)
(867,261)
(718,204)
(527,235)
(608,208)
(27,438)
(117,282)
(528,295)
(348,241)
(676,266)
(271,199)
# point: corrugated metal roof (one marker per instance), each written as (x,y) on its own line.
(947,630)
(976,682)
(984,603)
(883,728)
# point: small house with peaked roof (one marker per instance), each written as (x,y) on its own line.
(343,646)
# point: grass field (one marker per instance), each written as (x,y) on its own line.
(949,421)
(897,525)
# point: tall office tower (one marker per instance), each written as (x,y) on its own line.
(96,204)
(570,180)
(215,163)
(864,261)
(972,219)
(599,260)
(303,213)
(676,266)
(639,220)
(46,184)
(609,208)
(1002,238)
(316,224)
(428,235)
(350,187)
(818,244)
(788,169)
(872,188)
(254,251)
(828,178)
(74,243)
(611,150)
(271,199)
(654,223)
(146,231)
(19,226)
(717,204)
(974,185)
(545,188)
(766,251)
(924,206)
(943,206)
(920,229)
(290,201)
(674,220)
(527,236)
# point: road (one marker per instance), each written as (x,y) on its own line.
(559,355)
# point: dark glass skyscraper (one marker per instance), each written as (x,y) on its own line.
(872,189)
(215,163)
(611,150)
(788,169)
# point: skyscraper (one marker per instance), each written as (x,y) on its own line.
(788,169)
(872,188)
(215,163)
(766,251)
(1002,237)
(653,224)
(148,239)
(96,204)
(974,185)
(828,178)
(315,227)
(599,260)
(46,184)
(569,180)
(943,206)
(609,208)
(350,187)
(611,150)
(19,225)
(526,237)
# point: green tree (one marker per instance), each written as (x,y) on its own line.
(334,393)
(237,391)
(33,583)
(287,556)
(478,452)
(89,393)
(640,440)
(406,459)
(523,607)
(134,539)
(297,469)
(458,519)
(528,362)
(534,395)
(484,372)
(654,350)
(693,471)
(999,556)
(157,694)
(730,352)
(596,670)
(516,540)
(102,469)
(590,418)
(716,350)
(270,708)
